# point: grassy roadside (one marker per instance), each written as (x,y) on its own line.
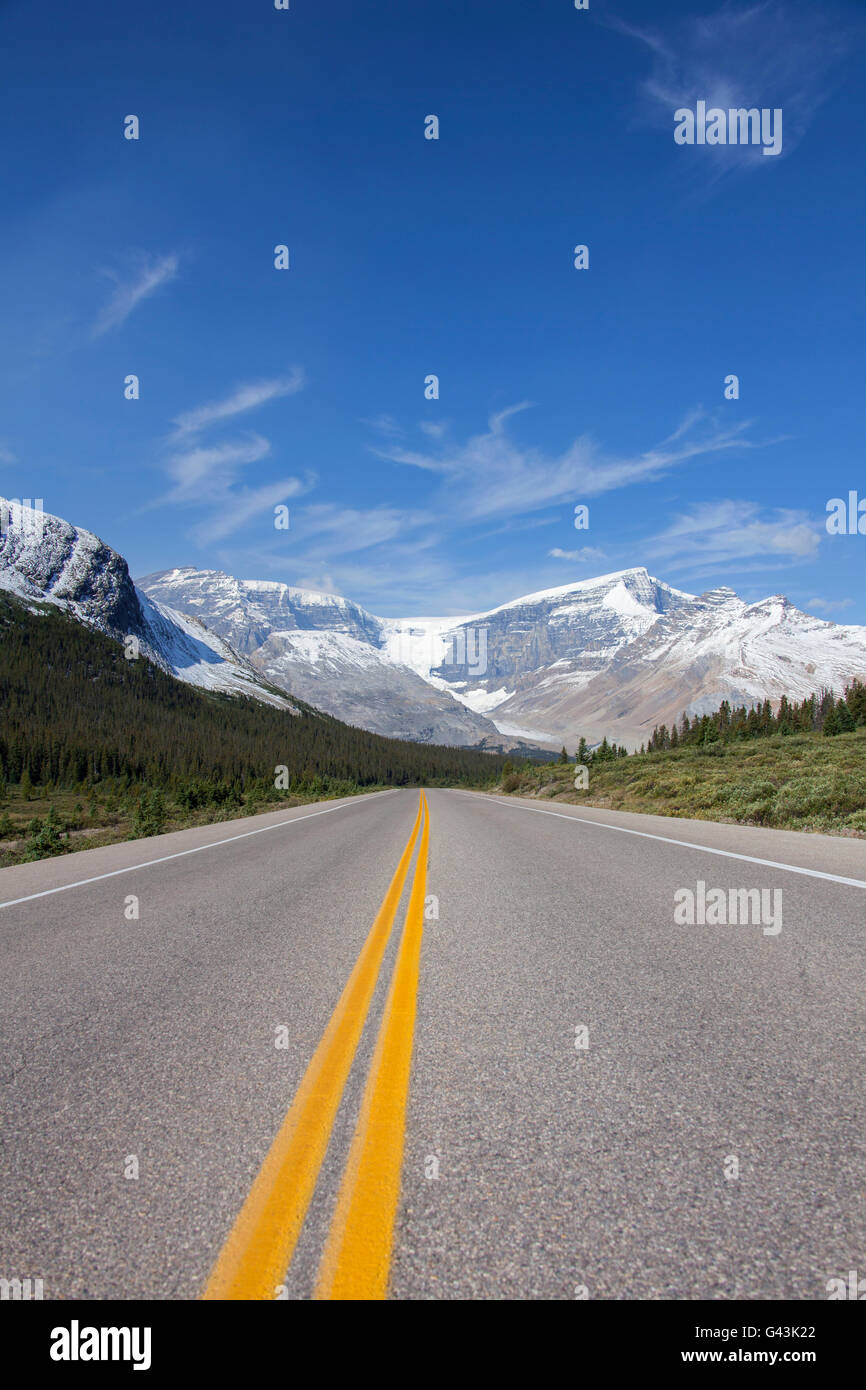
(60,822)
(791,782)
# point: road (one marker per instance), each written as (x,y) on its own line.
(558,1091)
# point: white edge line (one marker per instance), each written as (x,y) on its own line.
(685,844)
(148,864)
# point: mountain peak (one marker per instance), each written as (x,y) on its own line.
(637,577)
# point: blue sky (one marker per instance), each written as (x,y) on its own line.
(411,257)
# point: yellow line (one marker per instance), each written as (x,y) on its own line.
(357,1257)
(256,1255)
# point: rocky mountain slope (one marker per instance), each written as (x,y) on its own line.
(614,656)
(327,651)
(45,560)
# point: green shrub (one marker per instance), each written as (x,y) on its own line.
(45,837)
(150,815)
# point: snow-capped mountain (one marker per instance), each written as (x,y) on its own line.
(614,656)
(325,650)
(45,560)
(621,653)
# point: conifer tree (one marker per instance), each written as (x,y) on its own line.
(783,718)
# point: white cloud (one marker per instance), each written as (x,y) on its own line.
(714,535)
(589,554)
(202,473)
(242,399)
(326,531)
(384,424)
(830,605)
(208,475)
(151,275)
(433,430)
(242,505)
(490,475)
(775,54)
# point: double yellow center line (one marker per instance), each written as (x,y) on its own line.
(357,1255)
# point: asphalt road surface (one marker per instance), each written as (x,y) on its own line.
(235,1073)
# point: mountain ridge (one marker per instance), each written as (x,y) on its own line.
(579,659)
(611,655)
(45,559)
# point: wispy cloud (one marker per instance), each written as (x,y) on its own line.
(384,424)
(714,535)
(433,430)
(481,486)
(150,276)
(6,455)
(208,475)
(426,557)
(830,605)
(326,530)
(492,475)
(239,402)
(775,53)
(589,554)
(398,579)
(241,505)
(201,474)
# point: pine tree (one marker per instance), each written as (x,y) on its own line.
(783,718)
(855,697)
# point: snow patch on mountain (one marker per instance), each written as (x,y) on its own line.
(612,655)
(43,558)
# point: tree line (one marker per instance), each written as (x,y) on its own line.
(74,712)
(823,713)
